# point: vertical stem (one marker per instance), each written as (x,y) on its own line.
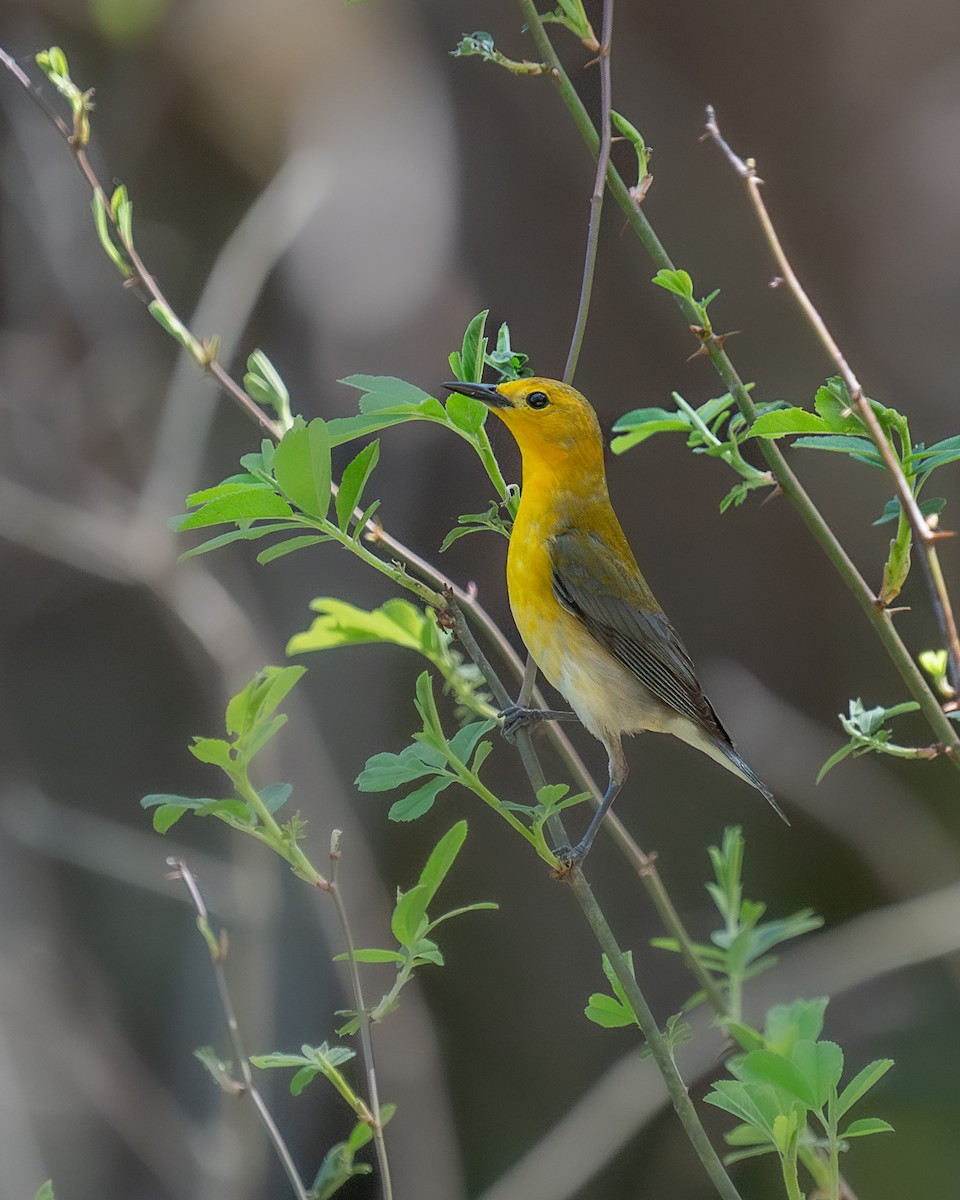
(233,1029)
(366,1039)
(596,200)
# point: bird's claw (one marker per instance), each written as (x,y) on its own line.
(516,717)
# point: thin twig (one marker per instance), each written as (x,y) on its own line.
(217,949)
(924,533)
(363,1015)
(596,199)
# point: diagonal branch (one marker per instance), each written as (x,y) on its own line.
(925,534)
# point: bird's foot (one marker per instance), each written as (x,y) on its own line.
(567,857)
(515,717)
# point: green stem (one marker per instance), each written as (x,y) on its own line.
(273,834)
(790,1179)
(596,199)
(788,482)
(366,1038)
(655,1039)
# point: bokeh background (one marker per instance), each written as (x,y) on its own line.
(326,182)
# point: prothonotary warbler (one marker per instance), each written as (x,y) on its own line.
(581,605)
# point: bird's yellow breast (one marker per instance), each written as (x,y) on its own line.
(605,696)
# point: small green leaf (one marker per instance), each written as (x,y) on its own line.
(385,771)
(607,1012)
(289,546)
(441,859)
(861,449)
(783,422)
(463,742)
(212,750)
(865,1126)
(891,510)
(409,916)
(353,481)
(44,1191)
(861,1083)
(275,796)
(372,956)
(473,350)
(678,282)
(301,464)
(164,315)
(245,504)
(420,801)
(166,816)
(386,391)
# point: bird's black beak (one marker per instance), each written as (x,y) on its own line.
(487,392)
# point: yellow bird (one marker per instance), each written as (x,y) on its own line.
(582,607)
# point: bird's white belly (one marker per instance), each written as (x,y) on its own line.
(606,697)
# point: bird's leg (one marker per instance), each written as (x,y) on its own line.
(516,717)
(618,776)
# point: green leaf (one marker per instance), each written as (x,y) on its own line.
(301,464)
(385,771)
(783,422)
(861,449)
(409,916)
(891,510)
(420,801)
(473,350)
(441,859)
(168,320)
(837,757)
(466,413)
(212,750)
(353,481)
(244,504)
(786,1077)
(289,546)
(166,816)
(822,1065)
(105,234)
(832,402)
(861,1083)
(865,1126)
(607,1012)
(678,282)
(263,384)
(787,1024)
(463,742)
(386,391)
(44,1191)
(372,956)
(753,1105)
(635,138)
(275,796)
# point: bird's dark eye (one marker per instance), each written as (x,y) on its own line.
(538,400)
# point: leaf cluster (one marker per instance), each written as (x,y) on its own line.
(251,721)
(740,948)
(705,434)
(439,762)
(787,1078)
(399,623)
(868,733)
(413,927)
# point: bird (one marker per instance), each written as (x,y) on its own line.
(583,609)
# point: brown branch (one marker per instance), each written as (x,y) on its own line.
(925,534)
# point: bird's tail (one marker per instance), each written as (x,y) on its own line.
(745,771)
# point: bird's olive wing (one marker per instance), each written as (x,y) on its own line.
(616,606)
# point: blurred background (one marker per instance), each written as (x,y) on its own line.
(324,181)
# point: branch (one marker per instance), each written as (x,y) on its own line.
(596,200)
(923,531)
(218,950)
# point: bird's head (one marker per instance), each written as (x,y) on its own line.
(540,413)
